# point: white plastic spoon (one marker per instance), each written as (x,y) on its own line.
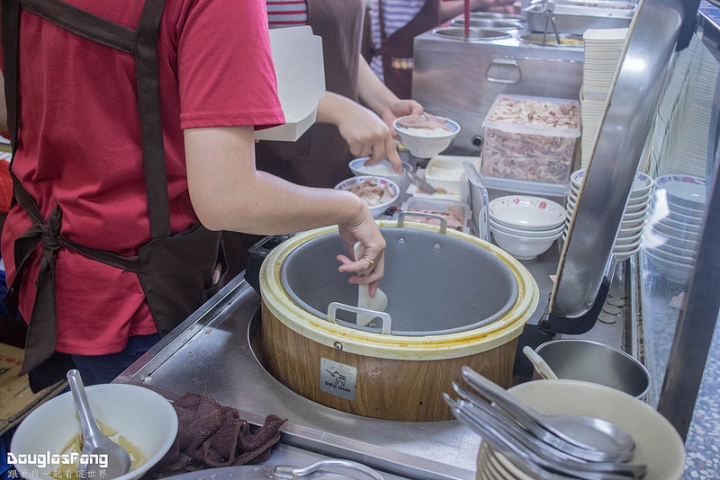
(541,366)
(377,303)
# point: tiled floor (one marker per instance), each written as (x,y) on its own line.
(703,442)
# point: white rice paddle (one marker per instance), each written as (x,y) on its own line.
(377,303)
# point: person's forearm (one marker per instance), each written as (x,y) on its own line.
(227,192)
(373,93)
(333,108)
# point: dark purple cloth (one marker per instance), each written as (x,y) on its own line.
(211,435)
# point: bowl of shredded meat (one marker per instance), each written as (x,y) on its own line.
(376,192)
(426,135)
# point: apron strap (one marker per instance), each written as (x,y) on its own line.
(42,328)
(153,151)
(10,42)
(83,24)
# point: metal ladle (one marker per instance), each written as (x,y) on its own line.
(95,443)
(583,437)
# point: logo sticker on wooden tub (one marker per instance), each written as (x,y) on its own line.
(338,379)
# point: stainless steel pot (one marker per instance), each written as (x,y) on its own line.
(573,359)
(492,23)
(474,35)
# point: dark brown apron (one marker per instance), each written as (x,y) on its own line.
(396,50)
(175,271)
(320,156)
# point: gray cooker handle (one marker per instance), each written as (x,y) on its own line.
(384,317)
(403,214)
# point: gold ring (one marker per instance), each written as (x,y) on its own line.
(371,262)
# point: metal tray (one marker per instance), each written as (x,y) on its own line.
(575,19)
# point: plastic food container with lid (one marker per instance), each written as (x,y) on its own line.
(531,138)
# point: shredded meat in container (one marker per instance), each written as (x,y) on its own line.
(371,192)
(543,157)
(454,216)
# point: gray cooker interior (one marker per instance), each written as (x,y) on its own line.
(435,283)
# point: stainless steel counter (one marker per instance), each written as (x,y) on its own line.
(210,352)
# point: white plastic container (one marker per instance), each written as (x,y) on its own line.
(531,138)
(446,172)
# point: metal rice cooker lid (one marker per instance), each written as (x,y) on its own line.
(436,283)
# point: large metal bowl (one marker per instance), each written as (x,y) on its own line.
(475,34)
(491,23)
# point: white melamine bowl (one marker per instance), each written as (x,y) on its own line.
(658,213)
(677,252)
(523,248)
(425,146)
(676,272)
(641,214)
(683,190)
(632,239)
(687,227)
(636,201)
(145,418)
(653,239)
(527,233)
(679,233)
(375,210)
(383,169)
(662,252)
(632,224)
(526,212)
(628,247)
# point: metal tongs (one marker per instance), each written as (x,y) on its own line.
(421,183)
(549,11)
(259,472)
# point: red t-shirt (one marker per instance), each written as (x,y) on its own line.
(79,145)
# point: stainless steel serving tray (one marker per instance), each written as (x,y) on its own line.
(576,18)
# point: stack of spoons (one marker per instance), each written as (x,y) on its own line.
(521,443)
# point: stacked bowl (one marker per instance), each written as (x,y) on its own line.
(525,226)
(674,225)
(628,239)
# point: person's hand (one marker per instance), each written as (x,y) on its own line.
(368,136)
(399,109)
(371,268)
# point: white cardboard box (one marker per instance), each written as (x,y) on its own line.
(300,71)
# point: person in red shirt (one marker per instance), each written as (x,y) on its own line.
(132,129)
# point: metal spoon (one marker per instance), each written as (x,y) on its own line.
(95,443)
(527,459)
(594,439)
(485,414)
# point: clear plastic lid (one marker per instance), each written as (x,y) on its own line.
(526,187)
(526,115)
